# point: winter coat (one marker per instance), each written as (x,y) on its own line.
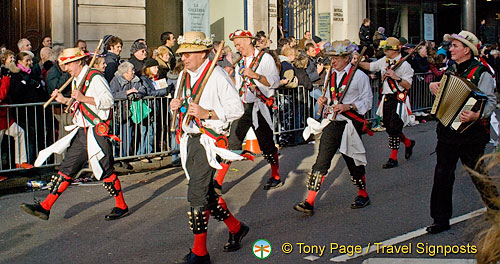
(56,78)
(364,35)
(112,63)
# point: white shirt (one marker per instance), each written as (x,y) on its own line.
(359,92)
(218,95)
(405,72)
(99,90)
(267,67)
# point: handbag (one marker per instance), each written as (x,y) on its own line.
(139,110)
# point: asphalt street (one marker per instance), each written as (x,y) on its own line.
(157,229)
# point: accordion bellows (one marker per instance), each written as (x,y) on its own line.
(455,95)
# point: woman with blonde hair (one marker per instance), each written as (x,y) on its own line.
(163,57)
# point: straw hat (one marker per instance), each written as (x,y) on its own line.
(340,48)
(390,43)
(71,54)
(468,39)
(240,33)
(193,42)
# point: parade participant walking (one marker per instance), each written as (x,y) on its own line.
(218,105)
(342,125)
(393,107)
(467,146)
(87,142)
(256,78)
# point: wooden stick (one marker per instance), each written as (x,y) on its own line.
(80,87)
(327,78)
(60,90)
(178,96)
(202,87)
(350,78)
(400,62)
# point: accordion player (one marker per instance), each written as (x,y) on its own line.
(455,95)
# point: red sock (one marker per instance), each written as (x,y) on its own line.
(406,141)
(311,196)
(119,200)
(51,198)
(222,172)
(200,241)
(363,192)
(231,222)
(394,154)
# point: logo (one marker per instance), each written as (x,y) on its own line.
(261,249)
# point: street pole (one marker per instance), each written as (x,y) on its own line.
(469,15)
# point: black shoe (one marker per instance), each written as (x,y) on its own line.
(233,243)
(36,210)
(390,164)
(217,187)
(360,202)
(409,150)
(116,213)
(272,183)
(304,207)
(437,228)
(192,258)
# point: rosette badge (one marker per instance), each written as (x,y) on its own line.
(193,42)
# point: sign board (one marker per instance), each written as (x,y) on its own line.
(196,16)
(338,14)
(324,26)
(428,26)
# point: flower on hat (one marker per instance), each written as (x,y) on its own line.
(340,47)
(240,33)
(198,41)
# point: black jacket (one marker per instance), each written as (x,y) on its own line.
(112,63)
(365,35)
(138,64)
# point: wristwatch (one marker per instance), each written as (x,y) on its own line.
(351,107)
(210,114)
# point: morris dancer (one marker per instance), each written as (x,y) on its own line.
(87,140)
(341,127)
(467,146)
(256,78)
(394,103)
(218,106)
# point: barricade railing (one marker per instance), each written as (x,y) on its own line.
(142,125)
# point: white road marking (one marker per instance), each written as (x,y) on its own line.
(405,237)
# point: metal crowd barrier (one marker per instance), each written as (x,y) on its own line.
(145,133)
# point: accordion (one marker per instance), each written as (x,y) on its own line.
(455,95)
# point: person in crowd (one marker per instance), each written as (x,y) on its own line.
(394,103)
(125,85)
(24,45)
(149,79)
(139,54)
(419,62)
(172,77)
(82,45)
(40,69)
(89,142)
(467,146)
(23,90)
(218,106)
(344,117)
(261,41)
(228,54)
(8,125)
(287,73)
(366,37)
(3,48)
(378,36)
(437,64)
(100,63)
(163,59)
(482,32)
(282,43)
(168,40)
(293,41)
(46,42)
(314,67)
(302,42)
(112,57)
(256,79)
